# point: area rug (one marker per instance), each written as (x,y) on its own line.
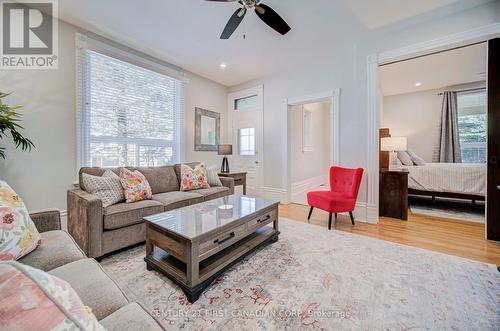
(313,278)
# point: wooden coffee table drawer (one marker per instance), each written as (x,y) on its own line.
(224,239)
(262,220)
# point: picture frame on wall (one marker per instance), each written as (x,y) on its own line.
(207,130)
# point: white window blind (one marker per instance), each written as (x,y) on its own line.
(128,115)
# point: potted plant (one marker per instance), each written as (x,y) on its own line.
(9,122)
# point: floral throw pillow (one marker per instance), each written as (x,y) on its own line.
(31,299)
(18,234)
(193,179)
(135,186)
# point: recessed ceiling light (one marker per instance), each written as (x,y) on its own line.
(223,66)
(417,84)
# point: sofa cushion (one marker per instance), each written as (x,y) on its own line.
(213,192)
(125,214)
(58,248)
(96,289)
(130,317)
(161,179)
(177,199)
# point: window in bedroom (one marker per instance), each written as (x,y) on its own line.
(472,125)
(128,115)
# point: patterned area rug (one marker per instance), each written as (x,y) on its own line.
(313,278)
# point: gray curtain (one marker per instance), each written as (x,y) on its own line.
(448,149)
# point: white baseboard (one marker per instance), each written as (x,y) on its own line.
(307,184)
(273,193)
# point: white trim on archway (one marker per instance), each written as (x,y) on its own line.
(373,94)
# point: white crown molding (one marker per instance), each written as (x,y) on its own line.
(479,34)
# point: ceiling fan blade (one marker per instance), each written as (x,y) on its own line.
(233,23)
(222,0)
(271,18)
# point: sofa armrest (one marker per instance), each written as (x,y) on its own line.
(85,221)
(46,220)
(228,182)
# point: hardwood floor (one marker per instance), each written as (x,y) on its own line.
(453,237)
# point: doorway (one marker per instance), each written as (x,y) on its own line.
(325,102)
(436,104)
(245,127)
(310,152)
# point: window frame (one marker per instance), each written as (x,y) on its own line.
(124,54)
(481,144)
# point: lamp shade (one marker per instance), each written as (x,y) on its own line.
(225,149)
(393,144)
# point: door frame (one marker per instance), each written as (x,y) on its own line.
(373,61)
(332,96)
(259,91)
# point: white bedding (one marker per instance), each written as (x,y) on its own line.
(448,177)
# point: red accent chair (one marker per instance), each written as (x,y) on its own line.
(344,187)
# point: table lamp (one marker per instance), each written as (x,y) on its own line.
(225,149)
(393,145)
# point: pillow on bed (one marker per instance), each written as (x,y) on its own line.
(405,158)
(415,158)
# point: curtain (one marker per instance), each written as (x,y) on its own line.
(448,149)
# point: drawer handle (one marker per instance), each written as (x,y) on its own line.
(220,242)
(263,220)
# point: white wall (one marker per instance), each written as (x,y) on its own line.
(315,163)
(415,116)
(42,177)
(345,68)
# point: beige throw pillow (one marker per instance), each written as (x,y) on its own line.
(107,187)
(213,176)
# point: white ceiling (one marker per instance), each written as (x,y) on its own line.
(186,32)
(454,67)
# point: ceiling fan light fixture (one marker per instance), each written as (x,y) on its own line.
(260,10)
(242,12)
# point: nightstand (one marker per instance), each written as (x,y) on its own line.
(393,193)
(240,178)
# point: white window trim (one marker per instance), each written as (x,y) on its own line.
(85,42)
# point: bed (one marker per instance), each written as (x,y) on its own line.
(447,180)
(450,180)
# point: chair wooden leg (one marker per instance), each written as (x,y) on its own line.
(310,213)
(352,217)
(330,221)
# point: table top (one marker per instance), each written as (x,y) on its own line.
(195,220)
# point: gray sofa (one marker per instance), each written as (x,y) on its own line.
(60,256)
(99,230)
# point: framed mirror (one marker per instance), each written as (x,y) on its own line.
(207,130)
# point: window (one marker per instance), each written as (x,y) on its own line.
(472,126)
(129,115)
(246,139)
(246,103)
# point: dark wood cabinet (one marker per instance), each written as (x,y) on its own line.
(393,193)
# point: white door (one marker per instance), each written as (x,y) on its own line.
(245,116)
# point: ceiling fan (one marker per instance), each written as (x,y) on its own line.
(265,13)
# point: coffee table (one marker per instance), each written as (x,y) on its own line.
(193,245)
